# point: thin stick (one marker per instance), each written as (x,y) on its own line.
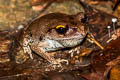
(97,43)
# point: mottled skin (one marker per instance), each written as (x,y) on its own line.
(42,36)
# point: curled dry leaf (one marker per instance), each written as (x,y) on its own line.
(115,73)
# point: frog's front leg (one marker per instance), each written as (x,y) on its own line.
(38,48)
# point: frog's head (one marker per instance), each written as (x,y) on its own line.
(67,34)
(61,30)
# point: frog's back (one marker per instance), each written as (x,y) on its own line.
(43,24)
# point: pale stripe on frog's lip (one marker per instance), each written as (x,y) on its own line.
(62,43)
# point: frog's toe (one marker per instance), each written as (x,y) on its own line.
(54,62)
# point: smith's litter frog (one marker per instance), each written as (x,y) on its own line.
(53,32)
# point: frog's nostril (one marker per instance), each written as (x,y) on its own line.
(41,37)
(30,34)
(75,29)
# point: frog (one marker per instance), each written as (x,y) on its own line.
(57,31)
(53,32)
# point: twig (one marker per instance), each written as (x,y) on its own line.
(97,43)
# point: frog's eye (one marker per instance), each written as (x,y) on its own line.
(61,29)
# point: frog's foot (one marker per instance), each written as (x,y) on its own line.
(62,60)
(44,54)
(82,59)
(28,50)
(55,66)
(26,46)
